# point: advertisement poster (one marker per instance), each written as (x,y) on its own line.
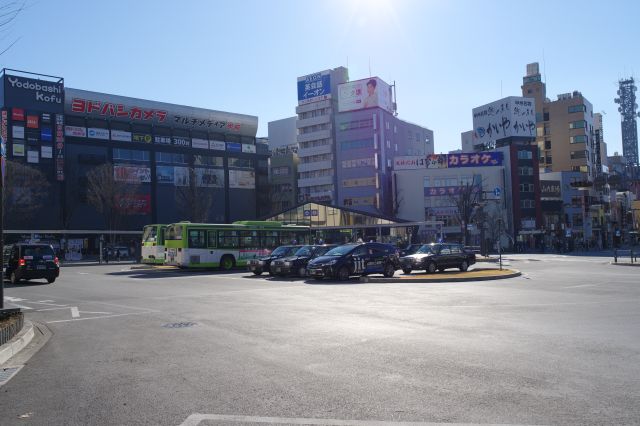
(18,150)
(98,133)
(120,135)
(181,176)
(164,174)
(32,121)
(75,131)
(132,174)
(46,151)
(33,157)
(314,87)
(217,145)
(508,117)
(134,204)
(142,137)
(244,179)
(18,132)
(210,178)
(200,143)
(367,93)
(248,148)
(46,134)
(74,249)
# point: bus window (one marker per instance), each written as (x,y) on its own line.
(249,239)
(149,235)
(228,239)
(211,235)
(161,239)
(174,232)
(269,239)
(197,238)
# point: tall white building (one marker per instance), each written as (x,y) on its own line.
(317,105)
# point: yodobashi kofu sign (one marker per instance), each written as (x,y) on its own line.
(367,93)
(507,117)
(33,94)
(314,87)
(550,189)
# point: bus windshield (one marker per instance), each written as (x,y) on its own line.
(174,232)
(150,234)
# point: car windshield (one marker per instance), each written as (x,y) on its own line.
(320,251)
(304,251)
(412,248)
(37,251)
(427,248)
(340,250)
(283,251)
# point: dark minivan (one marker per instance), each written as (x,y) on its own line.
(355,259)
(30,261)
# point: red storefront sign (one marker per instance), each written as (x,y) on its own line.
(17,114)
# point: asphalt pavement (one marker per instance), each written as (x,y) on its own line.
(558,345)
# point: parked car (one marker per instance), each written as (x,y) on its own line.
(297,264)
(30,261)
(262,264)
(438,257)
(355,259)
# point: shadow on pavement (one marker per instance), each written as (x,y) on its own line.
(31,283)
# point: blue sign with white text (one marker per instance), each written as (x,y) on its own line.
(46,134)
(314,87)
(234,147)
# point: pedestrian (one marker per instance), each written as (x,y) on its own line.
(106,255)
(118,255)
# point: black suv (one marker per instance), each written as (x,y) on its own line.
(410,249)
(438,257)
(297,264)
(355,259)
(30,261)
(261,264)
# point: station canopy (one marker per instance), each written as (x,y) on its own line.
(320,215)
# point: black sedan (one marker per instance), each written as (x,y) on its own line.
(262,264)
(438,257)
(297,264)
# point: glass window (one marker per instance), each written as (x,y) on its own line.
(269,239)
(249,239)
(579,139)
(547,144)
(446,249)
(228,239)
(130,154)
(170,158)
(577,108)
(241,162)
(580,124)
(211,237)
(197,238)
(207,160)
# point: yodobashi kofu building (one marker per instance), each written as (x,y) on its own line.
(181,160)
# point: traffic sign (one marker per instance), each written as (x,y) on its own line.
(497,191)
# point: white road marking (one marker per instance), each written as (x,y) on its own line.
(83,273)
(14,299)
(20,306)
(74,312)
(44,301)
(53,309)
(581,285)
(102,316)
(195,419)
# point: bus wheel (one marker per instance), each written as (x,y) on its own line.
(227,262)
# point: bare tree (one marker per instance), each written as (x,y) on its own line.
(109,195)
(466,201)
(194,198)
(25,191)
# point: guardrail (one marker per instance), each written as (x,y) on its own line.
(633,255)
(11,322)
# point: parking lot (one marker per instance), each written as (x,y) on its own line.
(558,345)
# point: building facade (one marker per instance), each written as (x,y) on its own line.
(167,152)
(367,141)
(283,164)
(317,106)
(564,128)
(628,110)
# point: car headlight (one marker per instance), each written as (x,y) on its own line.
(287,263)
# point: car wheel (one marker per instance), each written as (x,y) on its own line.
(389,270)
(407,271)
(51,280)
(257,272)
(343,273)
(431,268)
(13,278)
(464,266)
(227,262)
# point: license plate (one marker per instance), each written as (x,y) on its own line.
(278,269)
(41,267)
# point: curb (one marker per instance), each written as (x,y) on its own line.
(624,263)
(19,341)
(515,273)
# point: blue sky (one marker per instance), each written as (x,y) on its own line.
(244,56)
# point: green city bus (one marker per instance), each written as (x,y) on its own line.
(152,248)
(203,245)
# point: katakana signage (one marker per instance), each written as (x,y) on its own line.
(314,87)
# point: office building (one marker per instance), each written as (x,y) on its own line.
(283,164)
(628,110)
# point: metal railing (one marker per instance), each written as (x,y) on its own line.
(620,254)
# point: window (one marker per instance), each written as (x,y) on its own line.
(281,171)
(228,239)
(361,143)
(446,249)
(578,154)
(269,238)
(357,124)
(577,108)
(206,160)
(547,130)
(549,159)
(130,154)
(539,131)
(525,155)
(249,239)
(241,162)
(197,238)
(527,204)
(579,139)
(525,171)
(170,157)
(455,249)
(545,116)
(580,124)
(358,162)
(211,237)
(576,201)
(526,187)
(547,144)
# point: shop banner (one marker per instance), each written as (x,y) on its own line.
(132,174)
(165,174)
(200,143)
(436,191)
(217,145)
(59,147)
(120,135)
(162,140)
(32,121)
(142,137)
(210,178)
(134,204)
(248,148)
(33,157)
(475,159)
(18,132)
(181,176)
(18,149)
(243,179)
(46,152)
(98,133)
(75,131)
(46,134)
(17,114)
